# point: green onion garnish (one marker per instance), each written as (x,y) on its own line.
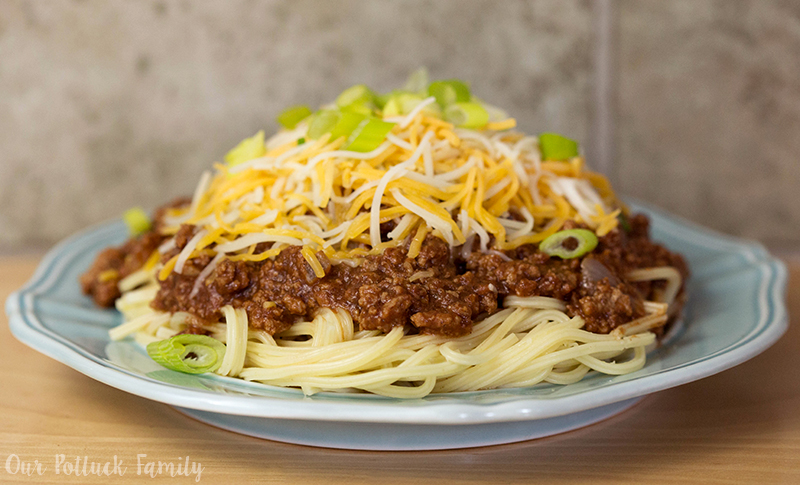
(401,103)
(347,123)
(382,99)
(364,109)
(570,243)
(291,116)
(392,107)
(417,82)
(368,135)
(323,122)
(449,92)
(137,221)
(467,115)
(355,95)
(300,141)
(557,147)
(247,149)
(363,133)
(193,354)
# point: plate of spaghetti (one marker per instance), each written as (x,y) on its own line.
(390,265)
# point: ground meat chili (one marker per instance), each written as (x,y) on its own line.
(433,293)
(101,281)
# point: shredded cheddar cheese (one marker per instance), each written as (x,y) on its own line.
(427,177)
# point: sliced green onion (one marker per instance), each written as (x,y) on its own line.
(358,95)
(467,115)
(247,149)
(136,220)
(338,124)
(193,354)
(359,108)
(449,92)
(401,103)
(347,123)
(557,147)
(323,122)
(300,141)
(368,135)
(417,82)
(393,107)
(570,243)
(291,116)
(382,99)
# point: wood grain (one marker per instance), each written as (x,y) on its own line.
(739,426)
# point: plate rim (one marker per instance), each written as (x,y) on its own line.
(772,324)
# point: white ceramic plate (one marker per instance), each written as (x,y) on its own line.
(735,311)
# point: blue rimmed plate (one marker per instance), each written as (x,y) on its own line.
(735,311)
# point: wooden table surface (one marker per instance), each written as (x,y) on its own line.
(742,425)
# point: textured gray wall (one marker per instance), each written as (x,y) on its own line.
(109,104)
(709,112)
(105,105)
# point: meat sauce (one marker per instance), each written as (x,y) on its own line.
(102,279)
(433,293)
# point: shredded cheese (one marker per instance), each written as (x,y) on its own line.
(428,177)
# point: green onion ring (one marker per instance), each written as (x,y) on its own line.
(192,354)
(467,115)
(368,135)
(557,147)
(417,82)
(347,123)
(290,117)
(359,94)
(322,122)
(137,221)
(554,244)
(449,92)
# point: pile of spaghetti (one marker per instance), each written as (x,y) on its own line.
(400,244)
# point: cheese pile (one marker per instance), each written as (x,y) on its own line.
(428,176)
